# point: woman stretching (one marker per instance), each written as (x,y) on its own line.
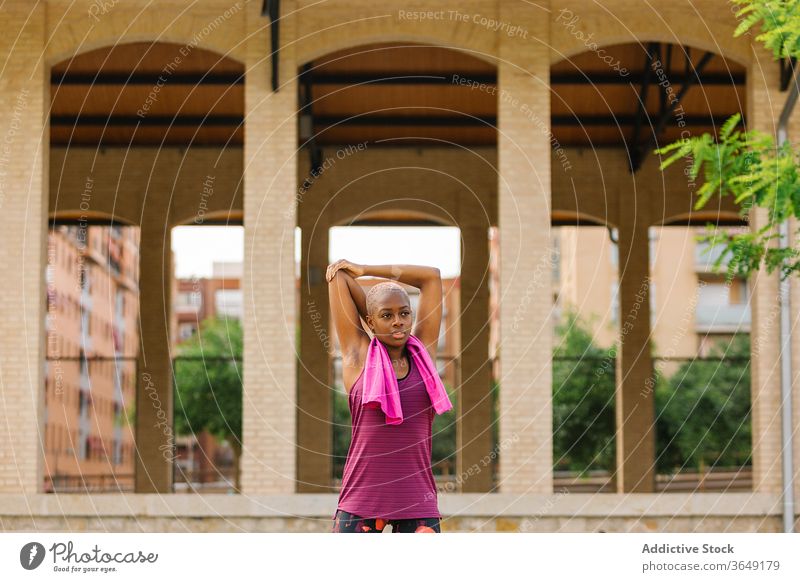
(394,392)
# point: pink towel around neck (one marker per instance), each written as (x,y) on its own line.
(380,387)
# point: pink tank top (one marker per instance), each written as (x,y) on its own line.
(387,473)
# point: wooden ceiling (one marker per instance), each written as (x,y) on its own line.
(410,95)
(623,96)
(399,95)
(147,94)
(388,94)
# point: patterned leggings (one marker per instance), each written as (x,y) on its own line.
(345,522)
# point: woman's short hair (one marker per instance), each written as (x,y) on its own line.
(377,291)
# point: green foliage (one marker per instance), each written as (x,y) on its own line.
(583,400)
(443,444)
(341,431)
(780,24)
(209,389)
(703,411)
(748,165)
(722,161)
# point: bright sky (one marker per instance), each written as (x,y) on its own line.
(197,247)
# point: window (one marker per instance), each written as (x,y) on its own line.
(615,302)
(713,294)
(614,250)
(653,248)
(185,331)
(228,302)
(189,299)
(83,405)
(556,257)
(652,301)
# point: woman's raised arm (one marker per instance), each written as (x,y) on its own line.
(345,311)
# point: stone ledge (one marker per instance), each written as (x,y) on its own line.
(450,504)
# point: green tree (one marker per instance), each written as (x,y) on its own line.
(443,446)
(209,384)
(341,430)
(703,411)
(583,399)
(747,164)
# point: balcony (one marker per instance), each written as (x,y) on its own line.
(722,318)
(86,300)
(705,255)
(188,302)
(85,382)
(87,344)
(117,336)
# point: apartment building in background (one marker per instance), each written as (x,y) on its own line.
(92,338)
(199,298)
(691,307)
(92,276)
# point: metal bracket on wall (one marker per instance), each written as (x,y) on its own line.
(692,76)
(272,9)
(787,71)
(306,118)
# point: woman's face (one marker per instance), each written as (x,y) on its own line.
(391,321)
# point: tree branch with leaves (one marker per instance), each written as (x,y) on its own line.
(748,165)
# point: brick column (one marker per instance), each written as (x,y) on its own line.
(314,394)
(635,391)
(270,183)
(155,438)
(24,148)
(474,429)
(764,104)
(794,317)
(523,143)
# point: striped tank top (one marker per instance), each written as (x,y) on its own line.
(388,473)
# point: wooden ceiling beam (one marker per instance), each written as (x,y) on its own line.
(149,79)
(147,121)
(398,120)
(556,78)
(375,78)
(609,120)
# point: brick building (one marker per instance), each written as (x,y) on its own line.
(539,122)
(92,342)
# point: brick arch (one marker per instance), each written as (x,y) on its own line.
(566,217)
(232,216)
(307,53)
(345,203)
(719,40)
(702,216)
(73,29)
(93,216)
(389,212)
(112,40)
